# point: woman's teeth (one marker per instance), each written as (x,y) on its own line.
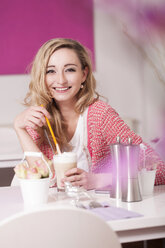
(62,89)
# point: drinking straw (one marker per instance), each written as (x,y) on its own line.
(51,131)
(46,134)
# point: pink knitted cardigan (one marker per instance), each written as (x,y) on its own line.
(103,126)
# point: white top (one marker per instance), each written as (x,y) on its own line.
(79,142)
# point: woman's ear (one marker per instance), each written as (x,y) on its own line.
(85,73)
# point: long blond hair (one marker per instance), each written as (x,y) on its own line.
(39,93)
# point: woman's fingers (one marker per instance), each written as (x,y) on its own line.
(38,114)
(77,177)
(73,171)
(34,123)
(81,183)
(38,119)
(74,178)
(31,121)
(33,117)
(42,110)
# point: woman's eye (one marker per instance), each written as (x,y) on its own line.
(50,71)
(70,70)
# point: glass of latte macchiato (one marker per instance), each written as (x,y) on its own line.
(62,163)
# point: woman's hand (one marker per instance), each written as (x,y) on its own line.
(80,178)
(33,117)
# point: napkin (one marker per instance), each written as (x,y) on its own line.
(113,213)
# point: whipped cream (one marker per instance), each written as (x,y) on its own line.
(65,157)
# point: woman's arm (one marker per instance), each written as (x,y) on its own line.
(32,117)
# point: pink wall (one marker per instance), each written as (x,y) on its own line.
(26,25)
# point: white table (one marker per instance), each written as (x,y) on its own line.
(151,226)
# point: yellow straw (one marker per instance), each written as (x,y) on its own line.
(51,131)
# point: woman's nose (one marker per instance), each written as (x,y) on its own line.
(61,79)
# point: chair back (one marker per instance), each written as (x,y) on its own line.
(57,228)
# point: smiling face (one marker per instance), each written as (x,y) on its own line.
(64,75)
